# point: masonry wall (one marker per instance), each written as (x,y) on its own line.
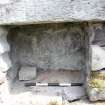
(49,46)
(88,50)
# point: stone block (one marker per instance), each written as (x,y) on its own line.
(96,89)
(5,62)
(41,11)
(97,42)
(27,73)
(98,57)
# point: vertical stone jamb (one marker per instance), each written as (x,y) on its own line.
(96,82)
(5,62)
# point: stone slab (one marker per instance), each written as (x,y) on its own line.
(68,93)
(27,73)
(41,11)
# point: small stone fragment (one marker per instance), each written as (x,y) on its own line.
(27,73)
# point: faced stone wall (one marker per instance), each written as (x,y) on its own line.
(97,75)
(49,46)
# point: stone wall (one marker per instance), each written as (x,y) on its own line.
(83,41)
(97,75)
(49,46)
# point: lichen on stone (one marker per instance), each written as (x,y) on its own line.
(97,80)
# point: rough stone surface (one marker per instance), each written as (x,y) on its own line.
(74,93)
(98,57)
(2,77)
(97,41)
(27,73)
(59,76)
(49,46)
(96,89)
(4,46)
(35,11)
(97,86)
(5,62)
(3,31)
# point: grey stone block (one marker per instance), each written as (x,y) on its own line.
(27,73)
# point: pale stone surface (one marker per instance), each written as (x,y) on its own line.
(2,77)
(97,42)
(96,88)
(49,46)
(37,11)
(96,94)
(27,73)
(73,93)
(68,93)
(98,57)
(4,46)
(5,62)
(25,98)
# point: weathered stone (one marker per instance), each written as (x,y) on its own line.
(27,73)
(97,41)
(3,31)
(4,46)
(60,76)
(96,88)
(35,11)
(98,57)
(96,80)
(68,93)
(5,62)
(48,47)
(2,77)
(73,93)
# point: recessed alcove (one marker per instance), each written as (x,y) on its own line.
(48,53)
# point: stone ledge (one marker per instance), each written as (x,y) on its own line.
(35,11)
